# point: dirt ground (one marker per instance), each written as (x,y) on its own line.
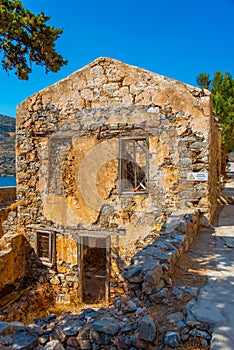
(193,266)
(190,270)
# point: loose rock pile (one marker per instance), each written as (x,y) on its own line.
(149,273)
(128,325)
(131,323)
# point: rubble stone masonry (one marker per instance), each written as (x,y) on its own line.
(69,155)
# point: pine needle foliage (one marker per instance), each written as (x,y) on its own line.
(222,92)
(25,38)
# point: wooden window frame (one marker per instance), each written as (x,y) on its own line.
(50,261)
(139,188)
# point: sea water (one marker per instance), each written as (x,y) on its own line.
(6,181)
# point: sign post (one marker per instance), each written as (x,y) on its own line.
(201,176)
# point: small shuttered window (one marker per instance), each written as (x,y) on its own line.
(45,246)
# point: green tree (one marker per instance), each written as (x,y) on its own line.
(203,80)
(26,38)
(222,92)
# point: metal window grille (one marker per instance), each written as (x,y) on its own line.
(133,164)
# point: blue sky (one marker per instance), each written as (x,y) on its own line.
(178,39)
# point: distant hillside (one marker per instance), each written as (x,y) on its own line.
(7,145)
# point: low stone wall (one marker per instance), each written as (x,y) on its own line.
(12,261)
(8,218)
(150,268)
(126,326)
(7,196)
(3,216)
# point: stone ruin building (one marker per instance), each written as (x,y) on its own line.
(104,157)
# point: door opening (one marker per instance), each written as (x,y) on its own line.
(94,269)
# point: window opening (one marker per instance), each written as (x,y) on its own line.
(133,165)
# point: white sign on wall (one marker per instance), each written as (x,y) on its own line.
(201,176)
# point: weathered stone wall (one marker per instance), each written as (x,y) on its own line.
(7,197)
(12,261)
(63,276)
(80,178)
(67,161)
(13,251)
(3,216)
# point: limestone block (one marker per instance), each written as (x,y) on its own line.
(147,329)
(5,329)
(54,345)
(149,288)
(109,326)
(154,275)
(55,280)
(114,72)
(172,339)
(111,89)
(24,340)
(96,77)
(87,94)
(143,98)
